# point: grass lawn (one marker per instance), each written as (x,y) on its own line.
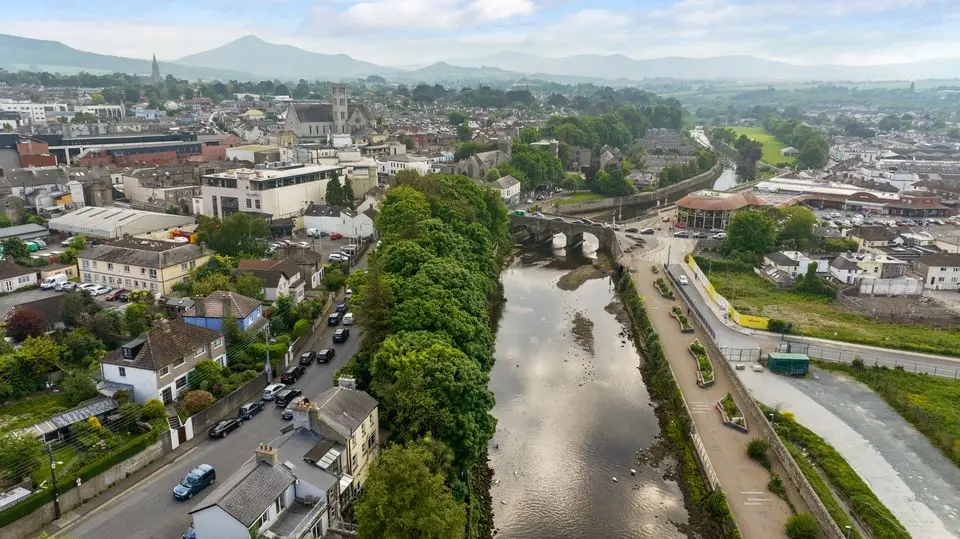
(816,317)
(582,196)
(30,410)
(928,402)
(771,145)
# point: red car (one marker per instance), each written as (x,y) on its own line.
(336,236)
(115,295)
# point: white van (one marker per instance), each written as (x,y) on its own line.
(54,280)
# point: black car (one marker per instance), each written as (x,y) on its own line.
(341,307)
(250,409)
(334,319)
(340,335)
(224,428)
(632,229)
(292,374)
(307,358)
(325,355)
(284,397)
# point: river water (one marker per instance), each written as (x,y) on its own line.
(728,178)
(572,414)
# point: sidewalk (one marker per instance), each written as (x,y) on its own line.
(759,513)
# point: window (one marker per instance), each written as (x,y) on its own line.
(181,382)
(259,522)
(218,343)
(122,370)
(257,203)
(183,266)
(94,263)
(249,203)
(109,267)
(128,282)
(136,283)
(153,286)
(280,504)
(193,263)
(164,371)
(143,271)
(371,440)
(153,274)
(23,279)
(111,280)
(200,351)
(178,362)
(354,462)
(86,264)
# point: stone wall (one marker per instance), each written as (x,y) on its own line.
(664,195)
(205,418)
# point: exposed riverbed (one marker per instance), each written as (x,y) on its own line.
(573,413)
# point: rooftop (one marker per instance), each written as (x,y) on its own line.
(272,173)
(721,201)
(216,304)
(162,346)
(144,253)
(345,409)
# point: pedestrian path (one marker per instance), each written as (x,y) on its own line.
(758,513)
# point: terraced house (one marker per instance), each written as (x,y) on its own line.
(139,264)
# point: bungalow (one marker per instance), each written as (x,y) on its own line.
(869,237)
(50,308)
(210,311)
(789,151)
(845,270)
(796,263)
(940,271)
(280,277)
(13,276)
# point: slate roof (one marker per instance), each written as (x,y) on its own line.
(321,112)
(345,409)
(50,307)
(212,305)
(874,233)
(249,491)
(10,270)
(505,182)
(164,346)
(843,263)
(780,259)
(269,270)
(945,260)
(371,213)
(145,253)
(322,210)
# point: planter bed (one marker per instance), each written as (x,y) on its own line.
(705,375)
(681,319)
(663,288)
(731,414)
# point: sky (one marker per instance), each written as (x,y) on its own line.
(409,33)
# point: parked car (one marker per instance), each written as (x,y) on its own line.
(336,236)
(348,293)
(699,234)
(250,409)
(340,336)
(720,236)
(341,307)
(325,355)
(335,257)
(66,242)
(633,229)
(115,295)
(307,358)
(681,234)
(559,219)
(86,286)
(293,374)
(270,392)
(334,319)
(683,280)
(287,413)
(715,230)
(647,231)
(99,290)
(224,427)
(198,479)
(286,396)
(65,286)
(347,319)
(52,281)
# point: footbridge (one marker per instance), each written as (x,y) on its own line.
(543,229)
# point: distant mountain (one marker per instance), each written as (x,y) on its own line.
(444,72)
(21,53)
(255,55)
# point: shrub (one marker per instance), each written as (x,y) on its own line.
(196,400)
(77,388)
(802,526)
(780,326)
(153,409)
(857,363)
(300,328)
(121,396)
(757,450)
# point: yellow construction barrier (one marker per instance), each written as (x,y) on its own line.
(743,320)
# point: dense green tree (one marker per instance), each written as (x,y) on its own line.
(464,133)
(334,195)
(529,135)
(137,318)
(751,234)
(796,227)
(15,249)
(402,498)
(77,388)
(349,198)
(237,235)
(248,284)
(403,212)
(81,349)
(456,117)
(201,288)
(20,455)
(78,307)
(470,147)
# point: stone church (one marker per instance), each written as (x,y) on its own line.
(319,120)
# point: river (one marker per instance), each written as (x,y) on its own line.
(572,414)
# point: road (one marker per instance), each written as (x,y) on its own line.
(148,510)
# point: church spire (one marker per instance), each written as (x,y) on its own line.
(155,73)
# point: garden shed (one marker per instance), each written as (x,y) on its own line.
(788,364)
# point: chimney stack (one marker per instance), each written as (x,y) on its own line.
(265,453)
(301,413)
(164,325)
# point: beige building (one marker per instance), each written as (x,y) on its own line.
(136,264)
(349,418)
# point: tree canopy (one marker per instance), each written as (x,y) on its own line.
(750,234)
(237,235)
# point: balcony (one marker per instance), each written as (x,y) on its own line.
(296,519)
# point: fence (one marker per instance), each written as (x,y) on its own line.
(815,350)
(743,320)
(741,355)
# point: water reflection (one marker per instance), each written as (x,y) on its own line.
(727,180)
(570,420)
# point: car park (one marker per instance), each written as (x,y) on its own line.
(196,480)
(65,286)
(50,283)
(681,234)
(250,409)
(224,427)
(341,335)
(325,355)
(347,319)
(292,374)
(270,392)
(286,396)
(307,358)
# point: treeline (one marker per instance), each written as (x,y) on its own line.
(424,304)
(814,150)
(748,150)
(617,128)
(705,160)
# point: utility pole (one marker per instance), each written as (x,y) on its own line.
(53,479)
(266,334)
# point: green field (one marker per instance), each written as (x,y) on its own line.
(771,145)
(582,196)
(818,317)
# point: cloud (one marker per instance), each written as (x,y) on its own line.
(410,15)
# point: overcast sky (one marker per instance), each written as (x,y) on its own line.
(416,32)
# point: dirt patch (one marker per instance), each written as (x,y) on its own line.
(574,278)
(583,332)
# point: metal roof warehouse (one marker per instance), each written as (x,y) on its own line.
(112,222)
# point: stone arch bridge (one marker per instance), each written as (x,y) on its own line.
(543,229)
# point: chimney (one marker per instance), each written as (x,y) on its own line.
(226,306)
(265,453)
(301,413)
(164,325)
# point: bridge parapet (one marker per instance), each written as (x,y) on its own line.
(544,228)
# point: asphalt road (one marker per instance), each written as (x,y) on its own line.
(148,510)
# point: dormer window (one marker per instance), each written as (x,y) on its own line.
(127,353)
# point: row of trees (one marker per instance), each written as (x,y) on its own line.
(617,128)
(427,350)
(705,160)
(748,150)
(814,150)
(754,233)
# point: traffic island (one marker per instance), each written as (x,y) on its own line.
(663,288)
(681,319)
(704,366)
(730,413)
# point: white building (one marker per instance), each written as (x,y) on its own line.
(35,113)
(13,276)
(279,191)
(390,165)
(509,189)
(332,219)
(104,112)
(940,271)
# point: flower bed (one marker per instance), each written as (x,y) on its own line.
(663,288)
(731,414)
(681,319)
(705,377)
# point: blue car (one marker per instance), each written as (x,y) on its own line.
(198,479)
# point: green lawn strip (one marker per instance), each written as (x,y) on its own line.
(772,146)
(822,490)
(880,522)
(581,197)
(929,403)
(822,318)
(31,410)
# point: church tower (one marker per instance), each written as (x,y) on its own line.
(340,109)
(155,73)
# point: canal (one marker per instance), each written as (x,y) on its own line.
(573,413)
